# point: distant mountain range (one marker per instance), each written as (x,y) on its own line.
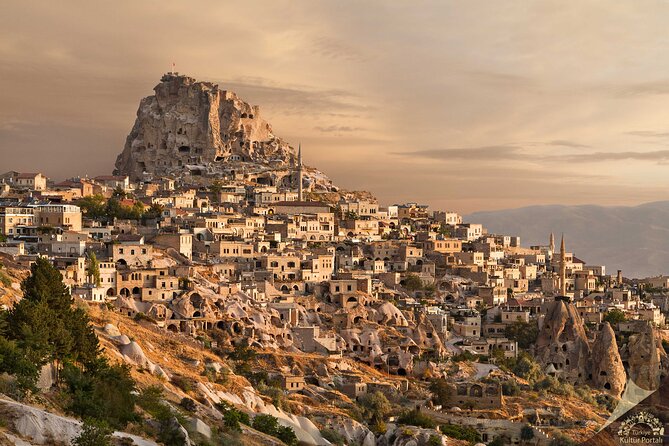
(634,239)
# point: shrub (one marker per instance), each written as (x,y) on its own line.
(526,432)
(232,417)
(188,404)
(150,399)
(105,394)
(510,388)
(441,391)
(333,436)
(94,433)
(270,426)
(464,356)
(465,433)
(561,440)
(416,418)
(5,280)
(185,384)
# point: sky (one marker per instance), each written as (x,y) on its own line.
(462,105)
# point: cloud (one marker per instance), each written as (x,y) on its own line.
(659,156)
(337,49)
(648,134)
(650,88)
(296,99)
(565,143)
(497,152)
(337,129)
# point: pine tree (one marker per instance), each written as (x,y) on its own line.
(46,326)
(45,284)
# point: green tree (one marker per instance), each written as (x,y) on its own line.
(500,440)
(46,326)
(93,207)
(119,193)
(526,433)
(445,230)
(526,367)
(333,437)
(375,406)
(215,189)
(416,418)
(94,433)
(458,432)
(270,425)
(615,316)
(525,333)
(287,435)
(265,423)
(441,391)
(106,393)
(412,282)
(155,211)
(93,269)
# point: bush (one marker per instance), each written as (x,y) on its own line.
(464,356)
(441,391)
(562,440)
(105,394)
(526,432)
(333,437)
(614,316)
(434,440)
(270,426)
(416,418)
(525,333)
(465,433)
(374,406)
(232,417)
(500,440)
(151,400)
(94,433)
(5,280)
(510,388)
(188,404)
(185,384)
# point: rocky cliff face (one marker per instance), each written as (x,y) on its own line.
(562,345)
(190,126)
(608,372)
(645,359)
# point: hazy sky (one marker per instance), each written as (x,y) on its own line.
(465,105)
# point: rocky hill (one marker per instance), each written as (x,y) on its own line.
(634,239)
(194,126)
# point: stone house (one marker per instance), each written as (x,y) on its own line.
(477,395)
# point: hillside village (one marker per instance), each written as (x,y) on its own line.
(228,243)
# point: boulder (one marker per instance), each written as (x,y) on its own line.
(112,330)
(200,427)
(133,353)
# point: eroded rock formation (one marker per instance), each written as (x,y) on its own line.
(607,370)
(562,344)
(194,126)
(644,358)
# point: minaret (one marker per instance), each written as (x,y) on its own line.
(551,244)
(563,269)
(299,173)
